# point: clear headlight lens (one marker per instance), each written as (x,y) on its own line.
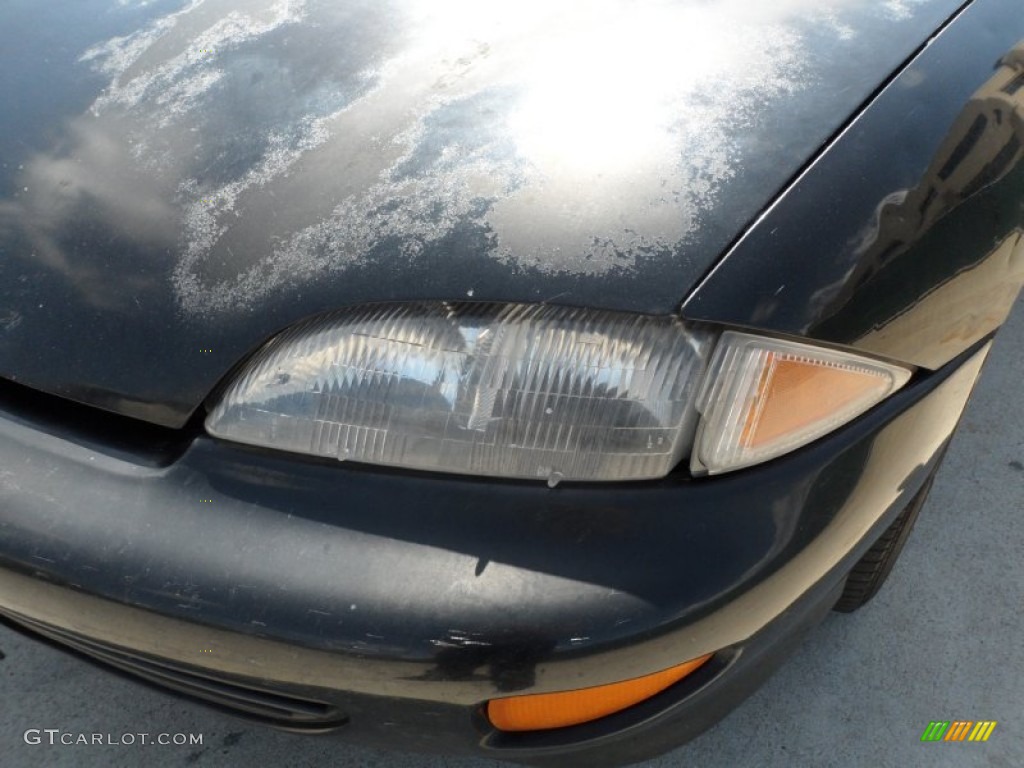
(524,391)
(763,397)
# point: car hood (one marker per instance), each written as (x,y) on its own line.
(180,180)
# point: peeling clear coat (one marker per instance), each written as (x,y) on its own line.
(205,173)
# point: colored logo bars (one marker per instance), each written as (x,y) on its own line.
(958,730)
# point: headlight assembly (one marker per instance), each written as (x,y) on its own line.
(525,391)
(536,391)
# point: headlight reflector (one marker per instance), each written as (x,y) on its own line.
(765,397)
(526,391)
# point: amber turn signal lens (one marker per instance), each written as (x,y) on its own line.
(765,397)
(544,711)
(795,393)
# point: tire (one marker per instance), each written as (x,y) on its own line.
(871,571)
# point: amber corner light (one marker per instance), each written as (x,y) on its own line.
(764,397)
(795,393)
(544,711)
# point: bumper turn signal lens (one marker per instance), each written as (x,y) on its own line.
(544,711)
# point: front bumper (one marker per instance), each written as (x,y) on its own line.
(393,604)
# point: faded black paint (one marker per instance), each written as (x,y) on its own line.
(905,238)
(113,285)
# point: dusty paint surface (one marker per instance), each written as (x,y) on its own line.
(580,137)
(276,158)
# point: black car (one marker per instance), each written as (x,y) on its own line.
(511,379)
